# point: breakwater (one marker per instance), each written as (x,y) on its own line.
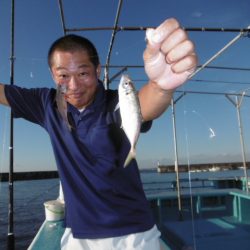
(202,167)
(36,175)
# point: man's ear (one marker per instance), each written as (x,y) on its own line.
(52,75)
(98,71)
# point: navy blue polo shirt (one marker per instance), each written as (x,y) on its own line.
(103,199)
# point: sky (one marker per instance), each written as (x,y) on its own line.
(206,123)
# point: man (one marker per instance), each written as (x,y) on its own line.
(105,204)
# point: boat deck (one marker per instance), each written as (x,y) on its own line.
(205,234)
(51,233)
(222,225)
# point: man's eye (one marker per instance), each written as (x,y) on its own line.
(63,76)
(83,74)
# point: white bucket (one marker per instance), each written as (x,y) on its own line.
(54,210)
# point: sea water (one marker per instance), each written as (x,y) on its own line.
(29,197)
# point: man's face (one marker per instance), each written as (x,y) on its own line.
(77,72)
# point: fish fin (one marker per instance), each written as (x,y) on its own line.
(117,106)
(130,157)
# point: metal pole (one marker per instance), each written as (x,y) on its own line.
(207,67)
(217,54)
(117,74)
(62,17)
(143,28)
(176,161)
(242,141)
(106,70)
(11,236)
(237,104)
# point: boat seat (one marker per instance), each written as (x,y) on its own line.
(206,234)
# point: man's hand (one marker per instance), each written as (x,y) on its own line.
(169,57)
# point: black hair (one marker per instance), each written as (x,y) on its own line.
(72,43)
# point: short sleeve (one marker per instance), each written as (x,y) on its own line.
(29,104)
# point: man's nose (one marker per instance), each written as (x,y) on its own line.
(73,83)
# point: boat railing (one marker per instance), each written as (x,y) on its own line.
(194,183)
(205,203)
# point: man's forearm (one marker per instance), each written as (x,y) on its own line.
(154,100)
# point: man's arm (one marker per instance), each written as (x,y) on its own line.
(169,60)
(153,101)
(3,99)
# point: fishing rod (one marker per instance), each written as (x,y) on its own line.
(199,66)
(62,16)
(106,73)
(143,28)
(11,236)
(235,39)
(176,162)
(219,81)
(201,81)
(210,93)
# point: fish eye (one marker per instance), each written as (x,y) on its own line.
(125,84)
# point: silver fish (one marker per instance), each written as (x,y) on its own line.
(130,114)
(62,104)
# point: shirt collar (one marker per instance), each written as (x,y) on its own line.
(98,100)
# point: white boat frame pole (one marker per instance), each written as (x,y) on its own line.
(236,38)
(237,103)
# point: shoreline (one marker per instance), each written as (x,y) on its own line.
(39,175)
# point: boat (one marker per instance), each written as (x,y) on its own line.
(189,217)
(210,217)
(214,168)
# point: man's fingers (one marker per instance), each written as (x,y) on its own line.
(166,28)
(155,37)
(152,47)
(187,64)
(177,37)
(180,51)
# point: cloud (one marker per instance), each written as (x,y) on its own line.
(197,14)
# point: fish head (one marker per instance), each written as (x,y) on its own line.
(126,85)
(62,88)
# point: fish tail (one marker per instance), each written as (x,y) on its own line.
(130,157)
(62,105)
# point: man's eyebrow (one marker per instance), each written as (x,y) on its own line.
(79,67)
(84,66)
